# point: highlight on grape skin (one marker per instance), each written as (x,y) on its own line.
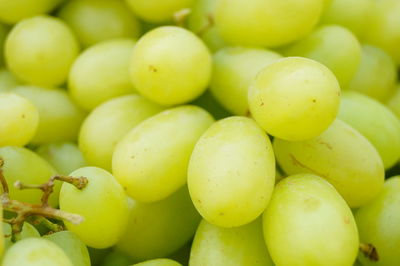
(200,132)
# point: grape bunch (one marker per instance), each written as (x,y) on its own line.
(200,132)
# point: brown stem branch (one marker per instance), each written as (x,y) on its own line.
(180,16)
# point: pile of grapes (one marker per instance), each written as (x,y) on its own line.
(200,132)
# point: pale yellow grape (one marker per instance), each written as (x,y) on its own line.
(375,122)
(72,246)
(378,224)
(19,120)
(376,75)
(352,14)
(238,246)
(94,21)
(394,102)
(160,228)
(65,157)
(200,21)
(114,119)
(59,117)
(12,11)
(157,11)
(266,22)
(170,65)
(294,98)
(383,29)
(29,168)
(103,205)
(234,69)
(3,36)
(334,46)
(342,156)
(158,262)
(40,50)
(7,80)
(101,73)
(151,160)
(231,172)
(308,223)
(28,231)
(35,252)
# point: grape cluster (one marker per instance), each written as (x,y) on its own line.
(200,132)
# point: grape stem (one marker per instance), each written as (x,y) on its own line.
(369,251)
(38,213)
(180,16)
(208,25)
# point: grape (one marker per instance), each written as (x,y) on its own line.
(152,159)
(376,75)
(158,262)
(170,65)
(209,103)
(238,246)
(35,252)
(97,256)
(72,246)
(342,156)
(116,258)
(60,118)
(323,45)
(113,119)
(65,157)
(101,73)
(160,228)
(378,224)
(28,231)
(200,21)
(234,69)
(294,98)
(352,14)
(231,172)
(394,102)
(19,120)
(375,122)
(3,35)
(103,205)
(7,80)
(308,223)
(29,168)
(40,50)
(266,22)
(383,30)
(157,11)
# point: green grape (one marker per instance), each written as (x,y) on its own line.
(238,246)
(40,50)
(378,224)
(294,98)
(114,119)
(13,11)
(170,65)
(375,122)
(101,73)
(103,205)
(98,255)
(94,21)
(383,30)
(200,21)
(342,156)
(182,255)
(19,120)
(35,252)
(116,258)
(72,246)
(394,102)
(3,36)
(234,69)
(158,262)
(65,157)
(335,47)
(151,160)
(28,231)
(231,172)
(308,223)
(7,80)
(352,14)
(160,228)
(211,105)
(266,22)
(29,168)
(60,118)
(376,75)
(157,11)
